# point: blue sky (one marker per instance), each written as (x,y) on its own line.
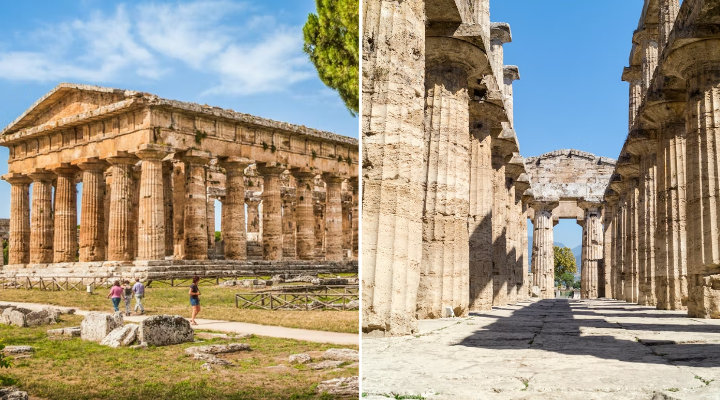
(244,55)
(571,54)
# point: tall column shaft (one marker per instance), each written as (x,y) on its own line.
(65,240)
(151,213)
(444,273)
(233,222)
(179,194)
(649,61)
(304,214)
(499,231)
(668,13)
(41,218)
(19,243)
(636,90)
(92,212)
(608,252)
(210,224)
(196,234)
(289,225)
(512,243)
(646,227)
(393,107)
(169,200)
(480,221)
(271,214)
(592,252)
(703,190)
(631,251)
(543,260)
(355,216)
(120,222)
(333,219)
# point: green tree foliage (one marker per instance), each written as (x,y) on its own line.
(331,41)
(6,250)
(565,265)
(4,361)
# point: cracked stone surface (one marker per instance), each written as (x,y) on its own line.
(550,349)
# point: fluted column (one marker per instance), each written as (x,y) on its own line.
(121,194)
(355,215)
(233,222)
(592,250)
(210,224)
(649,61)
(499,230)
(633,75)
(151,213)
(543,258)
(41,217)
(480,219)
(19,243)
(271,215)
(607,289)
(333,218)
(646,229)
(444,276)
(304,215)
(168,198)
(289,223)
(393,40)
(179,195)
(196,241)
(92,212)
(631,253)
(65,240)
(671,258)
(668,13)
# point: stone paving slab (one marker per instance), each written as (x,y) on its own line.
(550,349)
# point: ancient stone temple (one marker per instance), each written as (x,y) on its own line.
(568,184)
(663,202)
(444,222)
(152,170)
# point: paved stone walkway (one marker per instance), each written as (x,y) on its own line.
(550,349)
(237,327)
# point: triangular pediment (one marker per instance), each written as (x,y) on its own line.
(64,101)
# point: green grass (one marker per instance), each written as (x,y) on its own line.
(76,369)
(705,381)
(217,303)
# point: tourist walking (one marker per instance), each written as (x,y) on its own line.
(127,296)
(194,299)
(139,290)
(116,293)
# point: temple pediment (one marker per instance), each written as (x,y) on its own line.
(66,100)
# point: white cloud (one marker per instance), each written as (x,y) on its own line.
(244,52)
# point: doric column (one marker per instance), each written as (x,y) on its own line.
(210,224)
(668,12)
(650,60)
(271,215)
(254,238)
(671,257)
(289,222)
(320,231)
(304,215)
(333,217)
(514,168)
(543,257)
(119,246)
(592,252)
(233,222)
(168,198)
(92,210)
(500,274)
(393,40)
(522,184)
(196,241)
(179,185)
(631,253)
(151,213)
(65,240)
(134,214)
(480,218)
(355,214)
(444,276)
(19,243)
(633,75)
(41,217)
(610,268)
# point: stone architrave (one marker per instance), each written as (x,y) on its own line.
(271,215)
(92,214)
(119,246)
(41,217)
(233,222)
(151,213)
(333,218)
(196,241)
(19,234)
(304,214)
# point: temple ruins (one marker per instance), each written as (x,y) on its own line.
(151,172)
(447,196)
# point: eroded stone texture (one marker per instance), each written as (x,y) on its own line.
(41,218)
(151,227)
(119,224)
(333,218)
(19,240)
(92,214)
(196,244)
(271,215)
(480,221)
(164,330)
(304,215)
(543,264)
(65,236)
(233,222)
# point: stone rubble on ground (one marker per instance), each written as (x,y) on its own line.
(301,358)
(24,317)
(218,348)
(140,346)
(60,333)
(164,330)
(122,336)
(12,350)
(341,355)
(12,393)
(326,364)
(348,386)
(210,359)
(96,325)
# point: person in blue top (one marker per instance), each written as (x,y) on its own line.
(139,291)
(194,299)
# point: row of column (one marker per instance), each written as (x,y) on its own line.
(664,201)
(142,216)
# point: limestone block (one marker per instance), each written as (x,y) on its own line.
(17,316)
(705,299)
(341,355)
(164,330)
(12,393)
(95,326)
(121,336)
(71,332)
(349,386)
(10,350)
(218,348)
(326,364)
(300,358)
(45,316)
(210,359)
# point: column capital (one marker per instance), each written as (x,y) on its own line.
(544,205)
(303,173)
(64,169)
(589,205)
(41,175)
(196,157)
(632,74)
(15,178)
(235,163)
(252,201)
(515,166)
(641,141)
(693,58)
(91,164)
(271,168)
(121,158)
(331,177)
(153,151)
(511,73)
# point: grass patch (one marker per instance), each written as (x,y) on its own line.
(76,369)
(217,303)
(705,381)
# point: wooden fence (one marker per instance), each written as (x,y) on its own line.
(297,301)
